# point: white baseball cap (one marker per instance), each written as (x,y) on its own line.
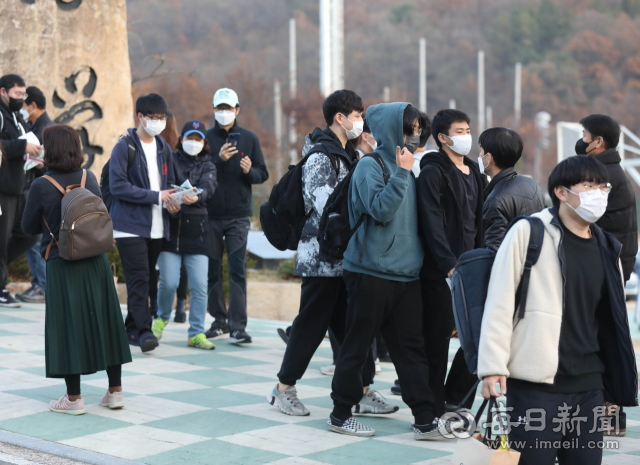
(225,96)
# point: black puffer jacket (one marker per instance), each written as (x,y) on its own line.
(508,196)
(13,148)
(620,217)
(439,215)
(189,229)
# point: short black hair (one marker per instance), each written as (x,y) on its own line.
(35,95)
(9,81)
(444,119)
(341,101)
(604,126)
(62,148)
(409,117)
(425,125)
(504,144)
(366,127)
(574,170)
(151,104)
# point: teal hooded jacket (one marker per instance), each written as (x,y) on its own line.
(392,249)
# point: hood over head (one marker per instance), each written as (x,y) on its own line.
(385,121)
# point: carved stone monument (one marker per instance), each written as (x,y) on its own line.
(76,52)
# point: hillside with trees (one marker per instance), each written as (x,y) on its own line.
(579,57)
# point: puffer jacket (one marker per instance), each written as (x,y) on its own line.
(13,148)
(320,175)
(508,196)
(189,228)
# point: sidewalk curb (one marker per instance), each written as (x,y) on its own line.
(61,450)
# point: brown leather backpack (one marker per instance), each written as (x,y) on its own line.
(86,229)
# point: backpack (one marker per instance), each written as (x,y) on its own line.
(470,283)
(335,230)
(105,190)
(86,229)
(283,216)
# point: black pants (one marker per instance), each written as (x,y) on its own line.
(437,325)
(181,293)
(13,242)
(113,372)
(541,447)
(138,255)
(323,305)
(232,233)
(393,307)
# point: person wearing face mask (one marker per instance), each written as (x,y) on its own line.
(329,156)
(188,242)
(238,168)
(366,143)
(13,181)
(140,222)
(601,135)
(573,347)
(450,198)
(508,195)
(425,125)
(35,115)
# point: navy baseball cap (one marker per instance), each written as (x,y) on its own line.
(194,126)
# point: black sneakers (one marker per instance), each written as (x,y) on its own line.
(7,300)
(239,337)
(217,331)
(436,429)
(181,311)
(284,335)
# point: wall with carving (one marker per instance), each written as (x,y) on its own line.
(76,51)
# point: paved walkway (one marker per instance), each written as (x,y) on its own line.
(184,405)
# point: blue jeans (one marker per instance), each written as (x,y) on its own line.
(198,271)
(37,265)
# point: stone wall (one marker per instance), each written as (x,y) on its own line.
(76,52)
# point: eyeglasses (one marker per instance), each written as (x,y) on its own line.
(590,188)
(20,95)
(417,131)
(156,118)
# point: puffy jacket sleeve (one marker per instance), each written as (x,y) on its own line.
(495,220)
(258,172)
(497,321)
(32,216)
(431,218)
(380,202)
(119,183)
(208,183)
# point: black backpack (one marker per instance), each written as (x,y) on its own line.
(470,283)
(335,230)
(107,198)
(283,216)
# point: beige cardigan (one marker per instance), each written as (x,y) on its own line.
(524,349)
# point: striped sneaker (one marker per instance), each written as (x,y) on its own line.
(199,341)
(64,405)
(113,400)
(352,427)
(158,327)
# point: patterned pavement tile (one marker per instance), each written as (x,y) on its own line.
(144,409)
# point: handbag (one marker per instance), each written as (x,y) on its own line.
(482,450)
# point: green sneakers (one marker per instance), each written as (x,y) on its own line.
(158,327)
(199,341)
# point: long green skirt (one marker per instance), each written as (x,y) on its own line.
(84,331)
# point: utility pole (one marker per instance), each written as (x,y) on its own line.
(542,125)
(325,47)
(423,74)
(452,104)
(293,85)
(337,45)
(386,94)
(489,117)
(277,122)
(517,104)
(481,108)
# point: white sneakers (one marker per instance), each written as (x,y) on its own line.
(64,405)
(113,401)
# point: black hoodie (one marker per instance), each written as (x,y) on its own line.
(13,150)
(440,222)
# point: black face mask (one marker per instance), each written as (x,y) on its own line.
(412,143)
(15,104)
(582,146)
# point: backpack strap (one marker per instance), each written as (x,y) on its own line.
(385,173)
(84,178)
(131,146)
(53,238)
(533,253)
(57,186)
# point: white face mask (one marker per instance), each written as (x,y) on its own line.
(225,117)
(192,147)
(461,144)
(373,146)
(481,164)
(155,127)
(355,131)
(592,206)
(25,114)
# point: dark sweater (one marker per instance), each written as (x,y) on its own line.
(13,149)
(44,199)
